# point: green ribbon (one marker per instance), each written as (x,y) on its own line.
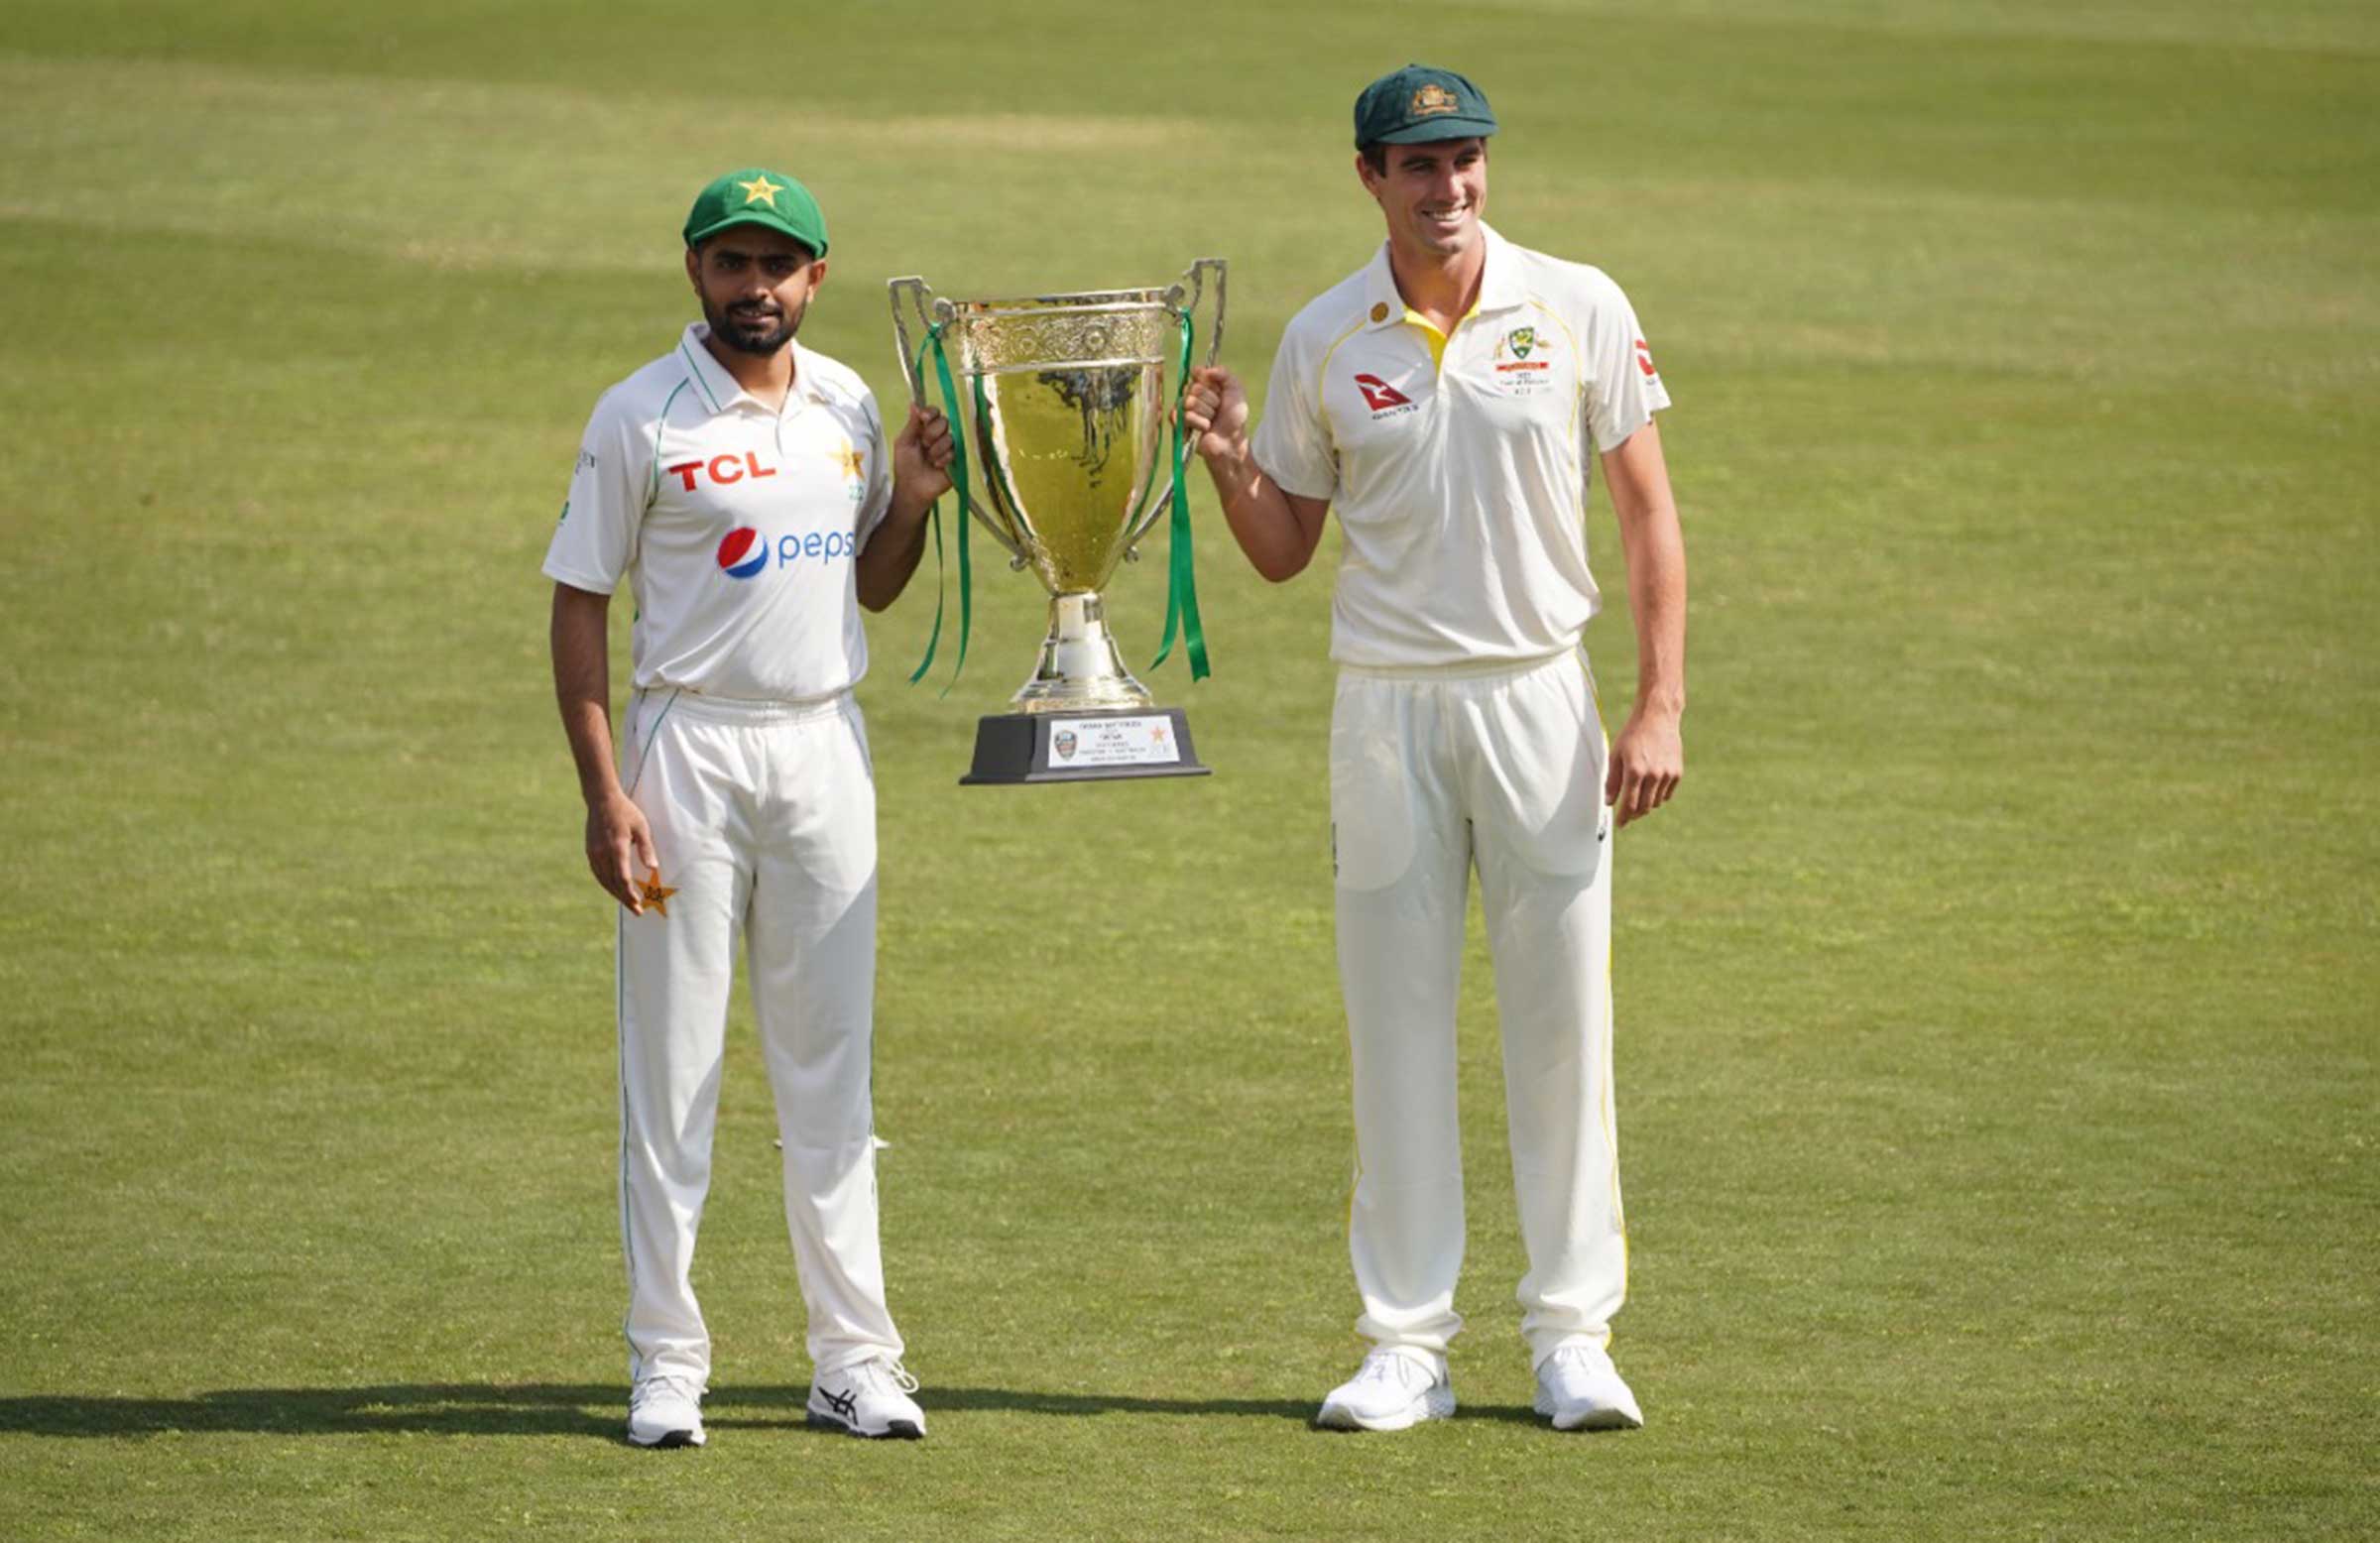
(1181,588)
(958,480)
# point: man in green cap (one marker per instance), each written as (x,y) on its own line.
(744,487)
(1443,399)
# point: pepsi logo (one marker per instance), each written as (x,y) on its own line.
(742,553)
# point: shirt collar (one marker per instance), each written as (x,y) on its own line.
(719,388)
(1499,283)
(1501,286)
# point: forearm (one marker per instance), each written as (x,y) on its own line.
(1278,538)
(582,686)
(890,559)
(1636,474)
(1657,558)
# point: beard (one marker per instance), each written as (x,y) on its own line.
(757,330)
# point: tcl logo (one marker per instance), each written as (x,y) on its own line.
(1380,395)
(721,469)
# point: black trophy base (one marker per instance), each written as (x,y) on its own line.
(1086,747)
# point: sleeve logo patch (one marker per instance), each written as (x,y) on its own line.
(1644,358)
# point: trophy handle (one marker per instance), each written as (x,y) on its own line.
(910,298)
(1183,297)
(1196,275)
(916,292)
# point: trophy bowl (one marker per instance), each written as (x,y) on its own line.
(1063,403)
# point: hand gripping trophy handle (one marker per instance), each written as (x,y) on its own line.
(1193,284)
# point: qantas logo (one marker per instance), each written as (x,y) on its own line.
(1644,358)
(1380,395)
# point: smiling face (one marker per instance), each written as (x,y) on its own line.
(755,285)
(1431,195)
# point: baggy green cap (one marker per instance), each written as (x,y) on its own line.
(1417,104)
(753,197)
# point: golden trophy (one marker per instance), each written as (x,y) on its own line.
(1064,405)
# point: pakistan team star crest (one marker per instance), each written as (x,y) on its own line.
(655,893)
(761,191)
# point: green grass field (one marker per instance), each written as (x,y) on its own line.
(1997,1040)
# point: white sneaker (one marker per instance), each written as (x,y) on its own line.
(666,1411)
(1392,1389)
(1583,1391)
(871,1398)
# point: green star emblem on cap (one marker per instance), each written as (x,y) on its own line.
(755,195)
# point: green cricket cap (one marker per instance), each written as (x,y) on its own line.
(1417,104)
(753,197)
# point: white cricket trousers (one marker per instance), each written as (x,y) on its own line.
(764,817)
(1432,774)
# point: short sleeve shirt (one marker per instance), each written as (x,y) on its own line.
(1459,480)
(735,523)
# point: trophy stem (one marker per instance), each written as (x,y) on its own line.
(1080,668)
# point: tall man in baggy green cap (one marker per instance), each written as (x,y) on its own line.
(744,487)
(1442,400)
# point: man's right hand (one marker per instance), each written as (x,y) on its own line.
(1214,408)
(617,837)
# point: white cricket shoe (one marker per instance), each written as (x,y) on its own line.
(1392,1389)
(1583,1391)
(666,1411)
(871,1398)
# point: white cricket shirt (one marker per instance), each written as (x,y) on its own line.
(736,523)
(1461,483)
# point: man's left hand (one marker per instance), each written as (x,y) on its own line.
(921,457)
(1648,761)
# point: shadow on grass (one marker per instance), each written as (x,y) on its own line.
(533,1409)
